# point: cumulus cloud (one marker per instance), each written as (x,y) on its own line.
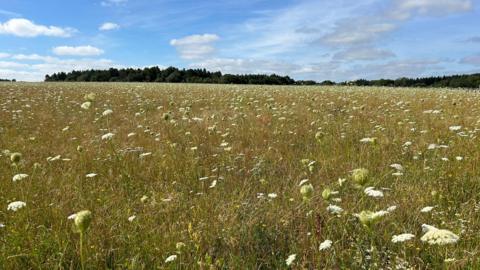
(108,26)
(244,66)
(195,46)
(363,54)
(26,28)
(4,55)
(79,50)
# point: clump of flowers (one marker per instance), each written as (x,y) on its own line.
(15,206)
(402,237)
(307,192)
(435,236)
(360,176)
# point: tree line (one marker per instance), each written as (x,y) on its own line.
(175,75)
(7,80)
(170,74)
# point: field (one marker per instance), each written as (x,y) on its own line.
(180,176)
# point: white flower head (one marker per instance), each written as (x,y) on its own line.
(15,206)
(434,236)
(402,237)
(427,209)
(334,209)
(290,259)
(86,105)
(327,244)
(91,175)
(131,218)
(19,177)
(107,112)
(171,258)
(107,136)
(372,192)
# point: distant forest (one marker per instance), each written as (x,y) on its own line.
(175,75)
(7,80)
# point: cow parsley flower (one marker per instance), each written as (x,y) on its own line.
(131,218)
(86,105)
(372,192)
(108,136)
(427,209)
(434,236)
(402,237)
(15,206)
(455,128)
(334,209)
(290,259)
(171,258)
(91,175)
(19,177)
(107,112)
(327,244)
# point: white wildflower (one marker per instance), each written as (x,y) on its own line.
(434,236)
(427,209)
(107,112)
(334,209)
(171,258)
(327,244)
(19,177)
(402,237)
(370,191)
(108,136)
(290,259)
(91,175)
(14,206)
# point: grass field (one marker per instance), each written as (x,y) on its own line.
(210,176)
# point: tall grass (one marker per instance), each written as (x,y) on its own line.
(211,174)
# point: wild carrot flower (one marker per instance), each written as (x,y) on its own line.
(15,206)
(434,236)
(19,177)
(327,244)
(290,259)
(402,237)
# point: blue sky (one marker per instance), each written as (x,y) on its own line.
(305,39)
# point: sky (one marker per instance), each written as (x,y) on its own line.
(318,40)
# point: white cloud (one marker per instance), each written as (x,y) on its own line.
(357,31)
(79,50)
(195,46)
(363,54)
(108,3)
(108,26)
(26,28)
(32,57)
(404,9)
(4,55)
(35,71)
(471,60)
(246,66)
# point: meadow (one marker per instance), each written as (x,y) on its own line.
(185,176)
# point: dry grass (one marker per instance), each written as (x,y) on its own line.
(250,140)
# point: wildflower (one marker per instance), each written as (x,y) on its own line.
(402,237)
(272,195)
(19,177)
(213,184)
(427,209)
(368,140)
(307,192)
(91,175)
(368,218)
(86,105)
(142,155)
(14,206)
(326,193)
(180,245)
(82,221)
(455,128)
(108,136)
(334,209)
(327,244)
(107,112)
(341,181)
(360,176)
(131,134)
(72,216)
(397,167)
(144,199)
(90,97)
(391,208)
(303,181)
(171,258)
(131,218)
(290,259)
(434,236)
(370,191)
(16,157)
